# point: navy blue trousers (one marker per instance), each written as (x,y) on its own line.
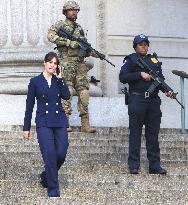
(142,111)
(53,144)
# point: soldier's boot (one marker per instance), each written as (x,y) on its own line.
(85,125)
(69,129)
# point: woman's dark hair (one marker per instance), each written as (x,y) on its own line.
(49,56)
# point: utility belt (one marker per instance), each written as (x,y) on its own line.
(145,94)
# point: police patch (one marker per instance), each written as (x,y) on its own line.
(154,60)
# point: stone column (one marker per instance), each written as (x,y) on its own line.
(23,41)
(102,41)
(23,38)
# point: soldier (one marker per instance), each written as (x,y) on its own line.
(142,108)
(75,71)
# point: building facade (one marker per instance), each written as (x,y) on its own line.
(111,27)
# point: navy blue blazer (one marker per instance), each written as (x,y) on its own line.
(50,112)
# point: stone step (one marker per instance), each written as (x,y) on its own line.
(89,139)
(101,130)
(27,147)
(30,171)
(92,142)
(72,156)
(104,199)
(106,179)
(83,158)
(95,153)
(91,196)
(177,167)
(25,200)
(27,164)
(76,157)
(98,192)
(104,182)
(95,171)
(98,135)
(102,141)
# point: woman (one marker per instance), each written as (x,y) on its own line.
(51,121)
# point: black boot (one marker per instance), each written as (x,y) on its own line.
(158,171)
(43,180)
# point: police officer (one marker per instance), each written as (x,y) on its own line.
(143,109)
(51,121)
(75,71)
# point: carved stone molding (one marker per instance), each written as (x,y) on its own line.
(24,25)
(32,22)
(3,23)
(102,40)
(23,37)
(17,18)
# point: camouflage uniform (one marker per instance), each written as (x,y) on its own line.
(75,71)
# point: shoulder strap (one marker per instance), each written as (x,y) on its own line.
(74,27)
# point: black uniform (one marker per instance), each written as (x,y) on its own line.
(142,110)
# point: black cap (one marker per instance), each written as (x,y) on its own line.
(140,38)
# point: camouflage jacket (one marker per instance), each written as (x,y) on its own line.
(66,48)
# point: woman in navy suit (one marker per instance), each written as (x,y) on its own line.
(51,121)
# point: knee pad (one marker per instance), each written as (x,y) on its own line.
(84,97)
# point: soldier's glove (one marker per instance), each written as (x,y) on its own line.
(74,44)
(101,56)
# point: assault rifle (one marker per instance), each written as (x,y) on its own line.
(158,81)
(85,46)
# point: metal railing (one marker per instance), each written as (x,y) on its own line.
(182,76)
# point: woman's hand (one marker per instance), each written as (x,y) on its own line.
(60,71)
(26,134)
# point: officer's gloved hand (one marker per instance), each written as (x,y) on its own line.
(74,44)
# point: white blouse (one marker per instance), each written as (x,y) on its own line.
(49,81)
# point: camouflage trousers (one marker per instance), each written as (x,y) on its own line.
(75,74)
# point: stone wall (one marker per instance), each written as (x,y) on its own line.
(23,38)
(163,21)
(111,27)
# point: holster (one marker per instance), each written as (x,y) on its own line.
(125,91)
(82,54)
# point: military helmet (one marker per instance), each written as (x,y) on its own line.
(140,38)
(70,5)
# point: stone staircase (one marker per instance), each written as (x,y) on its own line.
(95,172)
